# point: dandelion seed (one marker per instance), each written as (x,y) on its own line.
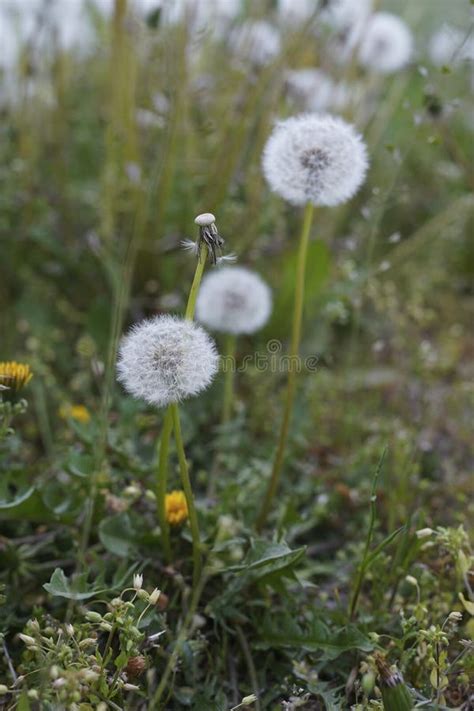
(233,300)
(386,45)
(166,359)
(14,375)
(176,507)
(257,41)
(315,158)
(190,246)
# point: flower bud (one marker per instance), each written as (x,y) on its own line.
(137,581)
(93,616)
(154,597)
(27,639)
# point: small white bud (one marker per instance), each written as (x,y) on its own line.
(131,687)
(59,683)
(93,616)
(247,700)
(3,689)
(205,219)
(154,597)
(413,581)
(137,581)
(69,629)
(27,639)
(424,532)
(455,616)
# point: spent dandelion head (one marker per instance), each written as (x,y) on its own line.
(386,45)
(209,238)
(176,507)
(166,359)
(318,159)
(14,376)
(233,300)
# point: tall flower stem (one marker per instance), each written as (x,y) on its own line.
(188,492)
(161,479)
(191,305)
(292,371)
(229,377)
(162,470)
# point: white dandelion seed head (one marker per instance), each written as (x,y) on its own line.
(348,19)
(166,359)
(257,41)
(233,300)
(315,158)
(316,91)
(344,14)
(450,45)
(296,13)
(386,45)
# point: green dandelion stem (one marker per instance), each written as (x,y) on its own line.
(292,371)
(191,305)
(188,492)
(229,377)
(161,481)
(162,471)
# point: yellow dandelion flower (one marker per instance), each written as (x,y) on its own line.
(80,413)
(176,507)
(14,375)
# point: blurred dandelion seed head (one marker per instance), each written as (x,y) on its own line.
(386,45)
(166,359)
(14,375)
(450,45)
(176,507)
(233,300)
(257,41)
(315,158)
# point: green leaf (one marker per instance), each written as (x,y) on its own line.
(265,558)
(77,589)
(24,702)
(284,631)
(80,464)
(376,552)
(116,535)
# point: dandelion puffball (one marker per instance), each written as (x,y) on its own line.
(315,158)
(386,45)
(233,300)
(166,359)
(316,90)
(449,45)
(257,41)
